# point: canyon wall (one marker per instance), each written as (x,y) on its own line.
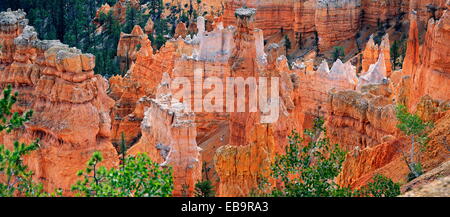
(423,11)
(379,149)
(337,20)
(70,105)
(379,11)
(430,66)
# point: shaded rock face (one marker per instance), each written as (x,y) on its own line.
(380,11)
(169,136)
(336,21)
(438,188)
(129,45)
(71,108)
(434,183)
(422,8)
(141,80)
(119,10)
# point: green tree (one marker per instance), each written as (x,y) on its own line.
(309,170)
(287,44)
(17,178)
(133,17)
(381,186)
(395,53)
(310,166)
(338,53)
(415,128)
(204,189)
(138,176)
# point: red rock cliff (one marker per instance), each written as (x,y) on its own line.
(71,108)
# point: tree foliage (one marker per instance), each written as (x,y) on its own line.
(137,176)
(310,166)
(338,53)
(309,170)
(287,44)
(204,189)
(397,51)
(381,186)
(16,179)
(416,129)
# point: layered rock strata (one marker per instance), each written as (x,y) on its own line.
(70,105)
(169,137)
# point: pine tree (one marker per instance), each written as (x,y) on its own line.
(18,180)
(138,176)
(338,53)
(204,189)
(287,44)
(414,127)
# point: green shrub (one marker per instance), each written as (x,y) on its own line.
(18,180)
(137,176)
(204,189)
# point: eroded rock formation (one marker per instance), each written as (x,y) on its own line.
(372,52)
(129,45)
(169,136)
(430,75)
(71,108)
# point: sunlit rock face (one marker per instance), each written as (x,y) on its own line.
(379,145)
(430,67)
(73,115)
(361,118)
(386,158)
(169,136)
(376,73)
(333,20)
(372,52)
(71,108)
(272,16)
(141,80)
(315,86)
(118,10)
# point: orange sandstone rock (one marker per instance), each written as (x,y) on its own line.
(373,51)
(181,30)
(169,136)
(382,10)
(71,108)
(336,21)
(431,75)
(423,13)
(129,45)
